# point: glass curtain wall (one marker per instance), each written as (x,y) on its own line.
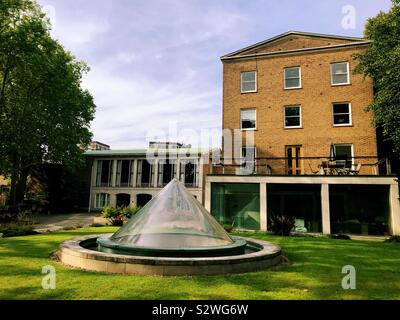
(359,209)
(299,200)
(237,205)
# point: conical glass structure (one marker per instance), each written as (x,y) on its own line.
(173,221)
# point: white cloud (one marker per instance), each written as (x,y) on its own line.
(157,62)
(74,35)
(128,108)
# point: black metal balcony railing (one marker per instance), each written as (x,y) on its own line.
(367,165)
(191,185)
(144,185)
(187,185)
(123,185)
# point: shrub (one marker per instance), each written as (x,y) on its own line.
(117,216)
(129,212)
(16,230)
(282,224)
(395,239)
(25,218)
(6,216)
(113,215)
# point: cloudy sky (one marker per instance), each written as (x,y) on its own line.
(155,63)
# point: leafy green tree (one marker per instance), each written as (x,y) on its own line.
(381,61)
(45,114)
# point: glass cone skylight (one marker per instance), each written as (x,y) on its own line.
(174,219)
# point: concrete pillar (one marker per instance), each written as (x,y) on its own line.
(114,173)
(155,178)
(326,217)
(201,167)
(113,200)
(94,174)
(92,182)
(263,207)
(207,197)
(178,169)
(394,210)
(134,174)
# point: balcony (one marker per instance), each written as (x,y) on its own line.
(302,166)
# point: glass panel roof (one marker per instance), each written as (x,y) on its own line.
(173,219)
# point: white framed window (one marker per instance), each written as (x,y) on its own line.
(166,172)
(341,114)
(248,162)
(293,117)
(248,81)
(124,173)
(248,119)
(190,174)
(102,200)
(104,173)
(292,78)
(145,173)
(340,73)
(343,153)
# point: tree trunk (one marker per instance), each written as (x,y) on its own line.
(3,88)
(18,182)
(14,181)
(21,186)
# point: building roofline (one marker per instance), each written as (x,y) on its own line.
(295,51)
(299,33)
(144,152)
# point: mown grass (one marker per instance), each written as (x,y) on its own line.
(314,272)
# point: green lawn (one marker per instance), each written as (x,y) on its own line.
(314,272)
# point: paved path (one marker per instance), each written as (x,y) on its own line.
(46,223)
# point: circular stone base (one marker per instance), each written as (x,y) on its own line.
(81,253)
(109,246)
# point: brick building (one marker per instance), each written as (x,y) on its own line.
(314,150)
(304,100)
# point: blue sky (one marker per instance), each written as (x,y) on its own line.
(155,64)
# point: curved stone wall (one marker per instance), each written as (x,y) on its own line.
(76,253)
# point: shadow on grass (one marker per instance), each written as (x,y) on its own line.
(34,293)
(314,272)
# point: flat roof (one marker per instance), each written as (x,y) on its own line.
(144,152)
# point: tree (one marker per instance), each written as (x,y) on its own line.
(381,61)
(45,114)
